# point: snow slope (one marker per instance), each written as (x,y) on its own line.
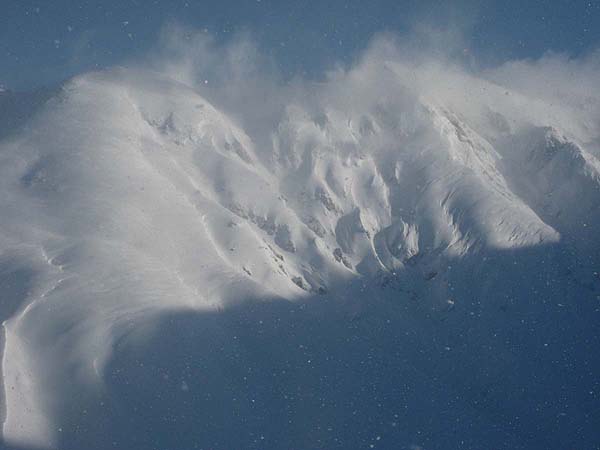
(158,264)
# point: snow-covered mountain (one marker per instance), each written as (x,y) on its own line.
(384,265)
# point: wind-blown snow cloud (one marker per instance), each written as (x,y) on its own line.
(237,75)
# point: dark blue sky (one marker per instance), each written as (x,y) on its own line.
(45,41)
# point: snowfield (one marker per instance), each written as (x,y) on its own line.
(401,256)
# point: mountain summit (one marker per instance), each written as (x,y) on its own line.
(176,274)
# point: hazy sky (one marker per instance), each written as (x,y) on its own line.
(45,41)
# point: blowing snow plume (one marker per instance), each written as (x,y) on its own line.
(196,253)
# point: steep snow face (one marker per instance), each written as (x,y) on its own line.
(550,171)
(128,195)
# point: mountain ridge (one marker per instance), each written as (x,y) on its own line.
(129,196)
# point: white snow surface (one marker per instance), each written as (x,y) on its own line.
(127,197)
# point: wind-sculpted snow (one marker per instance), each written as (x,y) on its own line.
(406,257)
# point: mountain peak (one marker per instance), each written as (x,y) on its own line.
(129,194)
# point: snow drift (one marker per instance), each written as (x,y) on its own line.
(402,255)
